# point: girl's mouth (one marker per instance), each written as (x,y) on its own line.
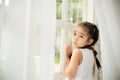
(74,43)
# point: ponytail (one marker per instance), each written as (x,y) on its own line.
(95,56)
(96,59)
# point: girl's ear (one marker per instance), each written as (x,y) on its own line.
(90,41)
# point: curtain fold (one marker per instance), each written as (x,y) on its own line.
(107,12)
(27,38)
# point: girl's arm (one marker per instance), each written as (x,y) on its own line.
(68,50)
(72,64)
(68,53)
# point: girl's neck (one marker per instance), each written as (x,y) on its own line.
(87,46)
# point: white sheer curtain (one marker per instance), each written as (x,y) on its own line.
(108,14)
(27,37)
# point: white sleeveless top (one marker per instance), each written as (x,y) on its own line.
(85,69)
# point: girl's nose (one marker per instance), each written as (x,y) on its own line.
(75,38)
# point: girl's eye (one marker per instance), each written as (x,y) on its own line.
(81,36)
(74,34)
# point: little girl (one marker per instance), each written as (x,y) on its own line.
(81,61)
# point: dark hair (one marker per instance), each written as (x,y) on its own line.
(92,30)
(93,34)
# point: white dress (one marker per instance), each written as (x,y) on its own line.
(85,69)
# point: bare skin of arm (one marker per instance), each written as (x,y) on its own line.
(72,64)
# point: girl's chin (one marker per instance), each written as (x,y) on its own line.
(74,46)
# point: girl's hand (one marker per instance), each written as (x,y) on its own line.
(68,50)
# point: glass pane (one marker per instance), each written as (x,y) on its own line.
(58,9)
(74,11)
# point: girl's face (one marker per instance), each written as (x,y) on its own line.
(80,37)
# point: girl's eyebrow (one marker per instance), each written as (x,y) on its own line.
(82,34)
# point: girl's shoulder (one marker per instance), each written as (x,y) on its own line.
(77,54)
(85,50)
(87,54)
(77,51)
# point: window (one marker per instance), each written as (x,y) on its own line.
(64,31)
